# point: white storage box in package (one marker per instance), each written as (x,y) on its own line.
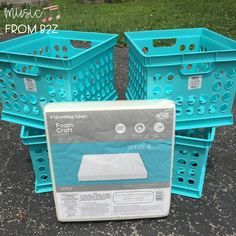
(111,160)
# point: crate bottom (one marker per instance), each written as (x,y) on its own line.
(43,188)
(46,188)
(21,120)
(186,192)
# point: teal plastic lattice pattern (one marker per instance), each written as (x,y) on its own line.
(67,66)
(35,139)
(196,68)
(190,160)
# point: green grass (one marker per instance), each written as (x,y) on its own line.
(217,15)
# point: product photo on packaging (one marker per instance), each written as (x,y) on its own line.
(112,167)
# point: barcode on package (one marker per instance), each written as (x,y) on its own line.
(30,85)
(159,196)
(194,82)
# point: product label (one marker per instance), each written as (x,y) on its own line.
(112,204)
(30,85)
(194,82)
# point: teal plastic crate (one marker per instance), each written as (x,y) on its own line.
(36,140)
(190,160)
(54,67)
(191,150)
(196,68)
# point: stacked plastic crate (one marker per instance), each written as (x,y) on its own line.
(197,69)
(52,67)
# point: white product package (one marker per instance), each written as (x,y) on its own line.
(111,160)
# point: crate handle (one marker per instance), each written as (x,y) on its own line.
(166,42)
(80,43)
(161,43)
(197,68)
(25,69)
